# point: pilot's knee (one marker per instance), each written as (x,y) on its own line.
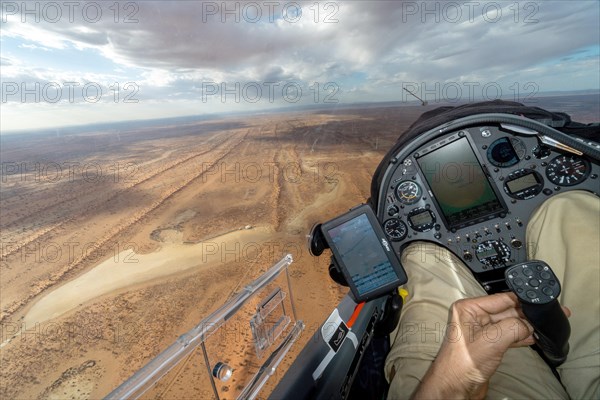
(575,199)
(419,254)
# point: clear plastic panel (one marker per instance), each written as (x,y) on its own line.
(238,347)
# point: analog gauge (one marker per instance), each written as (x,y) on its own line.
(505,152)
(395,229)
(567,170)
(408,192)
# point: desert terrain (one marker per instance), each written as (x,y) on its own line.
(115,243)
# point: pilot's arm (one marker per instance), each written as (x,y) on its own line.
(480,330)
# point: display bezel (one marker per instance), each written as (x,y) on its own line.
(453,227)
(519,179)
(387,250)
(527,192)
(423,227)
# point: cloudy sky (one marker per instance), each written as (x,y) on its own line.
(71,63)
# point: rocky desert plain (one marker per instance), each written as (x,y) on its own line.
(116,242)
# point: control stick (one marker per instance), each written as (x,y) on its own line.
(537,288)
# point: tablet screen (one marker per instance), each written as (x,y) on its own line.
(363,255)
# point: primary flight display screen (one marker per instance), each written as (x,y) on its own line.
(366,259)
(460,187)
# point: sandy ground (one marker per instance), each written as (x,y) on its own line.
(129,268)
(112,247)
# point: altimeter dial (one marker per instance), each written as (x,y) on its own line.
(567,170)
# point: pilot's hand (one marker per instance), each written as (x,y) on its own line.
(479,332)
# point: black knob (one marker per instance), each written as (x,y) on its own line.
(541,151)
(519,222)
(516,243)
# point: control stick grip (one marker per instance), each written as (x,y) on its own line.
(537,288)
(551,330)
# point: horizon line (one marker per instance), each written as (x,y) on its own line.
(282,109)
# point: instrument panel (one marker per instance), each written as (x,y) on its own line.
(473,192)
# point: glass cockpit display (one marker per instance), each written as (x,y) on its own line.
(459,184)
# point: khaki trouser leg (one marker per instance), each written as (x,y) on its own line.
(565,233)
(436,279)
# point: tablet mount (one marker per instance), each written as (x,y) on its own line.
(316,246)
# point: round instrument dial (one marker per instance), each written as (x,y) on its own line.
(395,229)
(505,152)
(567,170)
(408,192)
